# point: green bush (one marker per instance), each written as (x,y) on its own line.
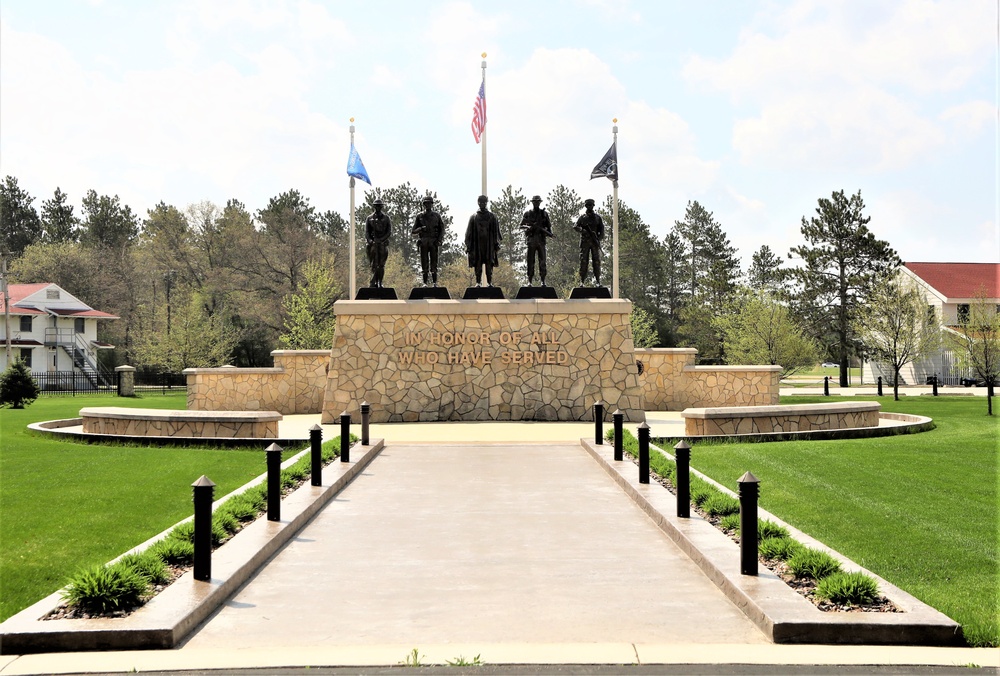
(149,564)
(184,532)
(720,504)
(104,589)
(812,563)
(848,587)
(730,522)
(769,529)
(174,551)
(781,549)
(224,519)
(700,492)
(243,507)
(17,388)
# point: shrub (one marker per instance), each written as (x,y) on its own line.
(149,564)
(852,588)
(174,551)
(769,529)
(731,522)
(812,563)
(17,388)
(104,589)
(700,492)
(781,549)
(225,520)
(184,532)
(243,507)
(720,504)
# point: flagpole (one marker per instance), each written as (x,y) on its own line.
(483,136)
(354,283)
(614,221)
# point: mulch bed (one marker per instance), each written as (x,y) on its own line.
(804,586)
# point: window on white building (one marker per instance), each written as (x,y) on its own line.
(26,356)
(26,323)
(78,325)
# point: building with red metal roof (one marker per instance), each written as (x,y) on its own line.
(53,332)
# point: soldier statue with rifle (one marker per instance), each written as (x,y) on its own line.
(591,229)
(537,228)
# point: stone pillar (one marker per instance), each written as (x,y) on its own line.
(126,380)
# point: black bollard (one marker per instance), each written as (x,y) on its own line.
(366,414)
(273,453)
(934,385)
(826,386)
(345,437)
(619,420)
(643,453)
(880,386)
(682,454)
(316,450)
(598,422)
(203,490)
(749,488)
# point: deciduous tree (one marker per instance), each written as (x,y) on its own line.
(309,318)
(760,330)
(977,341)
(895,327)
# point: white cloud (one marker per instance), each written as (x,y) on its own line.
(970,117)
(848,85)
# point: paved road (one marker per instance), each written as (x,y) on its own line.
(466,544)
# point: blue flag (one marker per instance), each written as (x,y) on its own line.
(355,167)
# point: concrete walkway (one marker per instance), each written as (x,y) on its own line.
(478,544)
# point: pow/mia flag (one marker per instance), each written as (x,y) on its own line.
(608,166)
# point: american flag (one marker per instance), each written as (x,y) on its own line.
(479,113)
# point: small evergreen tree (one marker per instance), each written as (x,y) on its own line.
(17,387)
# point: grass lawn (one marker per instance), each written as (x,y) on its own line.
(919,510)
(65,505)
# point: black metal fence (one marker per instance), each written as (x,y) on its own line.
(159,383)
(72,383)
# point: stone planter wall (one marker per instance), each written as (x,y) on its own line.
(482,360)
(671,382)
(294,385)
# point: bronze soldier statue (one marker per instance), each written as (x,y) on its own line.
(482,242)
(591,229)
(537,228)
(378,229)
(428,228)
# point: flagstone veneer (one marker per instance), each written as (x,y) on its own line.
(142,422)
(671,382)
(294,385)
(482,360)
(792,418)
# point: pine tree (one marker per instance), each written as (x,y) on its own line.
(17,388)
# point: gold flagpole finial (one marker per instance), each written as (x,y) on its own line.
(615,120)
(484,55)
(352,119)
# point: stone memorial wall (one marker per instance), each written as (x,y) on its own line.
(482,360)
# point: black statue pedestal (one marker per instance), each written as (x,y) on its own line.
(429,293)
(483,293)
(590,292)
(532,292)
(376,293)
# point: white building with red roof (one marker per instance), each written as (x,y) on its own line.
(950,288)
(52,331)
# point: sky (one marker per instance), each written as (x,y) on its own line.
(754,109)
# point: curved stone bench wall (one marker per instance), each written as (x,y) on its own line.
(790,418)
(132,422)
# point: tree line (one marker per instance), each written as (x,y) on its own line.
(205,285)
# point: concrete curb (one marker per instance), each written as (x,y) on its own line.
(779,612)
(181,607)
